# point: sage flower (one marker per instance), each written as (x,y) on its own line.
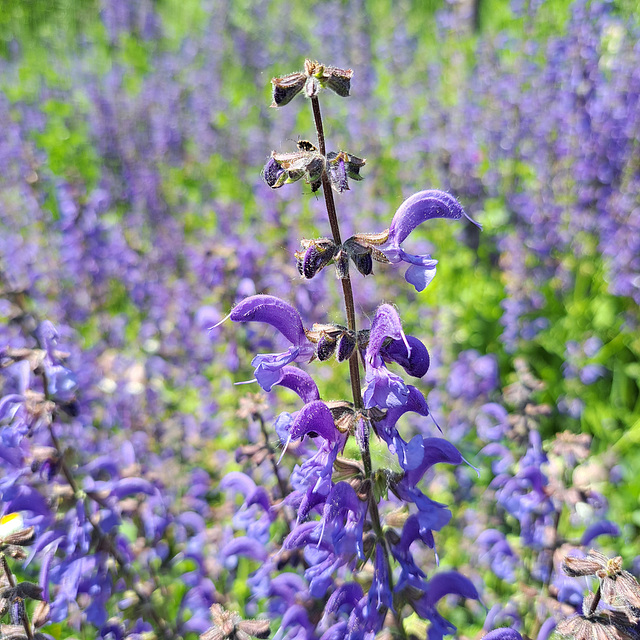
(421,206)
(283,317)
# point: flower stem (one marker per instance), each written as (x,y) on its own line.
(12,582)
(354,368)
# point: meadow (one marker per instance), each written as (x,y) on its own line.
(140,484)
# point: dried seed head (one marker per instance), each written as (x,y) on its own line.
(326,347)
(41,614)
(228,625)
(313,79)
(316,256)
(346,345)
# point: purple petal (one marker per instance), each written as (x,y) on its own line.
(129,486)
(436,450)
(238,482)
(278,313)
(605,527)
(314,418)
(269,366)
(547,628)
(386,324)
(304,534)
(420,277)
(384,389)
(300,382)
(245,546)
(415,363)
(423,206)
(503,634)
(443,584)
(348,594)
(415,402)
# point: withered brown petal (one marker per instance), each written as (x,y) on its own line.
(213,633)
(285,89)
(372,238)
(588,566)
(24,537)
(12,632)
(41,614)
(257,628)
(30,590)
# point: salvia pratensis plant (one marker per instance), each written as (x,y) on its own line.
(354,522)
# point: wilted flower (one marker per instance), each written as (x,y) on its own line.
(284,168)
(341,166)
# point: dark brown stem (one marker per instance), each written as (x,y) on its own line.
(594,604)
(12,582)
(354,368)
(282,485)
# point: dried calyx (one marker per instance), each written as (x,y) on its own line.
(313,79)
(362,249)
(310,164)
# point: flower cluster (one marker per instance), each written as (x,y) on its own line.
(342,527)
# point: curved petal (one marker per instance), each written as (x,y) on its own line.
(415,362)
(300,382)
(274,311)
(384,389)
(423,206)
(450,582)
(503,634)
(269,366)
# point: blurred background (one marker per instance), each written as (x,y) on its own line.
(133,216)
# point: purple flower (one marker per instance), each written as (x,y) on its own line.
(421,206)
(439,586)
(411,454)
(287,321)
(503,634)
(384,389)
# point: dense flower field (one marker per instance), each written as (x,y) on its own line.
(140,484)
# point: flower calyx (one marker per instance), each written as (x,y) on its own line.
(315,255)
(285,168)
(332,339)
(362,249)
(308,163)
(341,166)
(313,79)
